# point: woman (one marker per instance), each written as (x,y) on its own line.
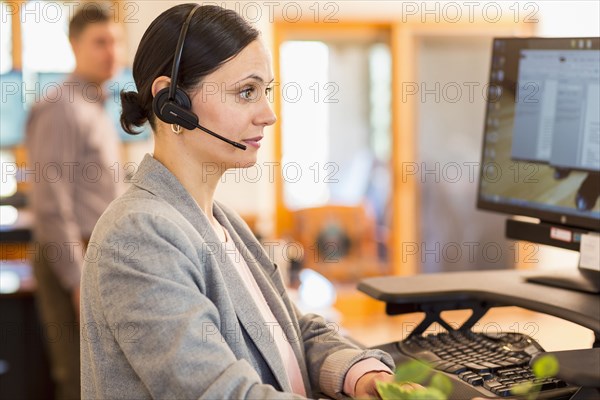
(179,300)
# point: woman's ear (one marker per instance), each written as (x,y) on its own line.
(160,83)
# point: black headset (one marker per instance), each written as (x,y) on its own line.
(172,105)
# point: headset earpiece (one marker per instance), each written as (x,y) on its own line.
(162,97)
(174,112)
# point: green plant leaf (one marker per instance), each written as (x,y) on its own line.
(528,390)
(545,366)
(391,391)
(412,371)
(522,388)
(441,383)
(429,393)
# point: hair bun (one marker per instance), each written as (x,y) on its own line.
(132,114)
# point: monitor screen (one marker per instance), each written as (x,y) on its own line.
(18,94)
(12,109)
(541,145)
(123,81)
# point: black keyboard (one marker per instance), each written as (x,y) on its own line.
(490,363)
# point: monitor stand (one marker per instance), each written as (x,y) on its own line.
(583,279)
(588,282)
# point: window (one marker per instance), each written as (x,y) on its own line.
(336,122)
(380,77)
(305,121)
(46,45)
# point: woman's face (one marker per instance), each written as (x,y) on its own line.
(234,101)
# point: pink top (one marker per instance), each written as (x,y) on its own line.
(285,350)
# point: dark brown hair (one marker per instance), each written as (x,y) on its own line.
(87,14)
(214,36)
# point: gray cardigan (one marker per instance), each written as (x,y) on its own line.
(165,315)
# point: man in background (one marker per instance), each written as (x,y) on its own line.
(73,134)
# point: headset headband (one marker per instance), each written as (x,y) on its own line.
(178,53)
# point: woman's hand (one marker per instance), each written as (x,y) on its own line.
(366,387)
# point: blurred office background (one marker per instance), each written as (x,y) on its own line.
(372,166)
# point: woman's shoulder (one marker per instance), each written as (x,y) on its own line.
(142,235)
(139,201)
(135,213)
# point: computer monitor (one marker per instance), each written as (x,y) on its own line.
(122,81)
(12,109)
(16,103)
(541,145)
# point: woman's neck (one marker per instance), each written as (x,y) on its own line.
(194,177)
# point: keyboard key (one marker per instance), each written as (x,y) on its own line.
(434,364)
(516,361)
(463,375)
(476,367)
(506,381)
(504,392)
(504,363)
(492,384)
(427,356)
(491,366)
(443,365)
(455,369)
(475,381)
(411,346)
